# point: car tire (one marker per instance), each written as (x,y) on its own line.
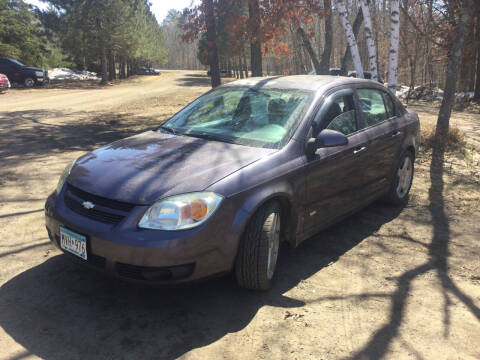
(258,251)
(29,82)
(402,179)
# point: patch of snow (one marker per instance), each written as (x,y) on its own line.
(425,93)
(69,74)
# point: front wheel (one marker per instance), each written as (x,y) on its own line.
(402,180)
(29,82)
(258,251)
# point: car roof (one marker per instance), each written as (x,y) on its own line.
(297,82)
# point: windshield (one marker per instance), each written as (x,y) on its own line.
(16,62)
(246,116)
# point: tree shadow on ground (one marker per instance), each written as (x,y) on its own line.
(194,80)
(59,310)
(198,75)
(28,134)
(438,251)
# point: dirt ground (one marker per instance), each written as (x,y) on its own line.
(385,283)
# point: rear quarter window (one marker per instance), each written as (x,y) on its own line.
(389,105)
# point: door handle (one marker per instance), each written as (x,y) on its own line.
(396,133)
(359,149)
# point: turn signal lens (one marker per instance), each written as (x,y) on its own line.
(198,209)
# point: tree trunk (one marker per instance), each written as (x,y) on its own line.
(372,52)
(103,51)
(111,66)
(103,60)
(347,55)
(245,66)
(352,42)
(212,44)
(454,61)
(235,69)
(476,95)
(311,52)
(255,46)
(240,66)
(123,64)
(327,49)
(394,41)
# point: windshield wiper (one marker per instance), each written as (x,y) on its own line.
(169,129)
(204,135)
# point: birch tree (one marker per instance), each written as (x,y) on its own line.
(347,55)
(372,51)
(352,42)
(394,41)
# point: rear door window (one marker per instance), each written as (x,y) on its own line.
(372,107)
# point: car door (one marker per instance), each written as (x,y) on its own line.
(334,182)
(384,136)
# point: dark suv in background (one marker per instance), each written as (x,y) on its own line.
(22,74)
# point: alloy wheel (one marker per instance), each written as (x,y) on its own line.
(273,245)
(404,175)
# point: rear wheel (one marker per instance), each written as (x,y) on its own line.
(402,180)
(258,251)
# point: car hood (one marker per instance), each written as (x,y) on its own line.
(32,68)
(143,168)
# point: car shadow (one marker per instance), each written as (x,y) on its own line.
(60,310)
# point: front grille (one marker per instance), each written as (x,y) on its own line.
(112,204)
(106,210)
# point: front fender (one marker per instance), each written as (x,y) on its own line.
(252,200)
(279,175)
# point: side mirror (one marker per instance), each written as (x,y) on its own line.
(326,138)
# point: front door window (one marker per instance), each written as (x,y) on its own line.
(340,114)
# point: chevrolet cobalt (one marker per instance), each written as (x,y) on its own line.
(223,182)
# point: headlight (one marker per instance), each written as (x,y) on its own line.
(39,73)
(64,176)
(181,211)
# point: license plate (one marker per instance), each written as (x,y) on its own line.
(73,243)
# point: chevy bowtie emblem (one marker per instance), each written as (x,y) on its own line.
(88,205)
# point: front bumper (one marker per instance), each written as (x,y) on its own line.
(126,251)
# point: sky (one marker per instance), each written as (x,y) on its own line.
(159,7)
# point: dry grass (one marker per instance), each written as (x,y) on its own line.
(456,141)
